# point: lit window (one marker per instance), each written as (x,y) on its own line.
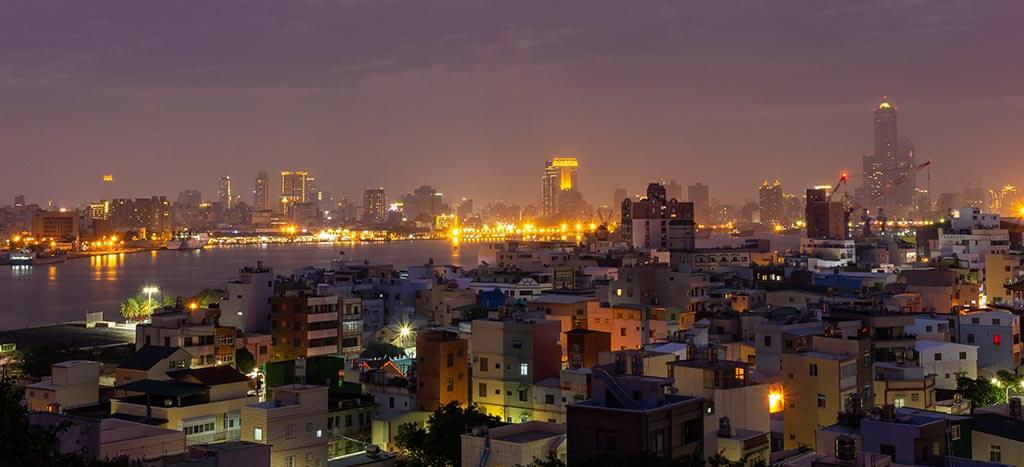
(319,433)
(257,434)
(524,369)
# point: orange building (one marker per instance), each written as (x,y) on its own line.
(441,369)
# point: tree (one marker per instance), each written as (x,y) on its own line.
(981,393)
(26,444)
(134,309)
(439,443)
(206,297)
(244,361)
(37,360)
(376,350)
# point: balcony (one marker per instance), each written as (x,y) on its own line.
(321,317)
(322,333)
(322,350)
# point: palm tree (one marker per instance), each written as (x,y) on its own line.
(132,310)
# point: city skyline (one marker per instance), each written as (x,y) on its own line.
(662,100)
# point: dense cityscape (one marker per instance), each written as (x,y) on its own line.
(283,316)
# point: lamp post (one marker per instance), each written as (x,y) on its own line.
(149,290)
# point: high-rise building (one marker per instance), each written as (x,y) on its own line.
(890,169)
(189,199)
(770,203)
(700,196)
(312,190)
(375,205)
(293,189)
(560,175)
(224,191)
(825,218)
(150,214)
(673,190)
(657,222)
(423,204)
(261,192)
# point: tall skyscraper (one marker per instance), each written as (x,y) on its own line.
(560,175)
(224,191)
(312,190)
(889,171)
(261,192)
(904,194)
(293,189)
(375,205)
(770,203)
(700,195)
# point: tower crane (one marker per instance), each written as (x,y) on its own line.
(867,219)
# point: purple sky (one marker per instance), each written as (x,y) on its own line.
(473,96)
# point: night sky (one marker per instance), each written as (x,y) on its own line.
(473,96)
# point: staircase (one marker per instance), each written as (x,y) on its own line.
(615,388)
(486,454)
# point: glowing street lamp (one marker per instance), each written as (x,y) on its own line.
(149,290)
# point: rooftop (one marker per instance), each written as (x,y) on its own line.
(163,388)
(146,357)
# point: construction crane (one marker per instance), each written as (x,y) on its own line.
(843,176)
(874,197)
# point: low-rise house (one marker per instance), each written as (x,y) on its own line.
(152,362)
(74,383)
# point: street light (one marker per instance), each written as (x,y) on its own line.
(149,290)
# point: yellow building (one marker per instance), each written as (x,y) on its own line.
(817,386)
(73,383)
(294,424)
(205,403)
(1001,269)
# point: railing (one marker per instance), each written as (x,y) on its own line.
(615,388)
(486,453)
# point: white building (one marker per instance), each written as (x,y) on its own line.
(934,328)
(246,304)
(997,335)
(947,361)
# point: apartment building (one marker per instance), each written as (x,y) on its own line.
(293,423)
(509,358)
(729,393)
(442,369)
(304,325)
(194,330)
(633,414)
(997,336)
(818,386)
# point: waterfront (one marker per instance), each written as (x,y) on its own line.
(65,292)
